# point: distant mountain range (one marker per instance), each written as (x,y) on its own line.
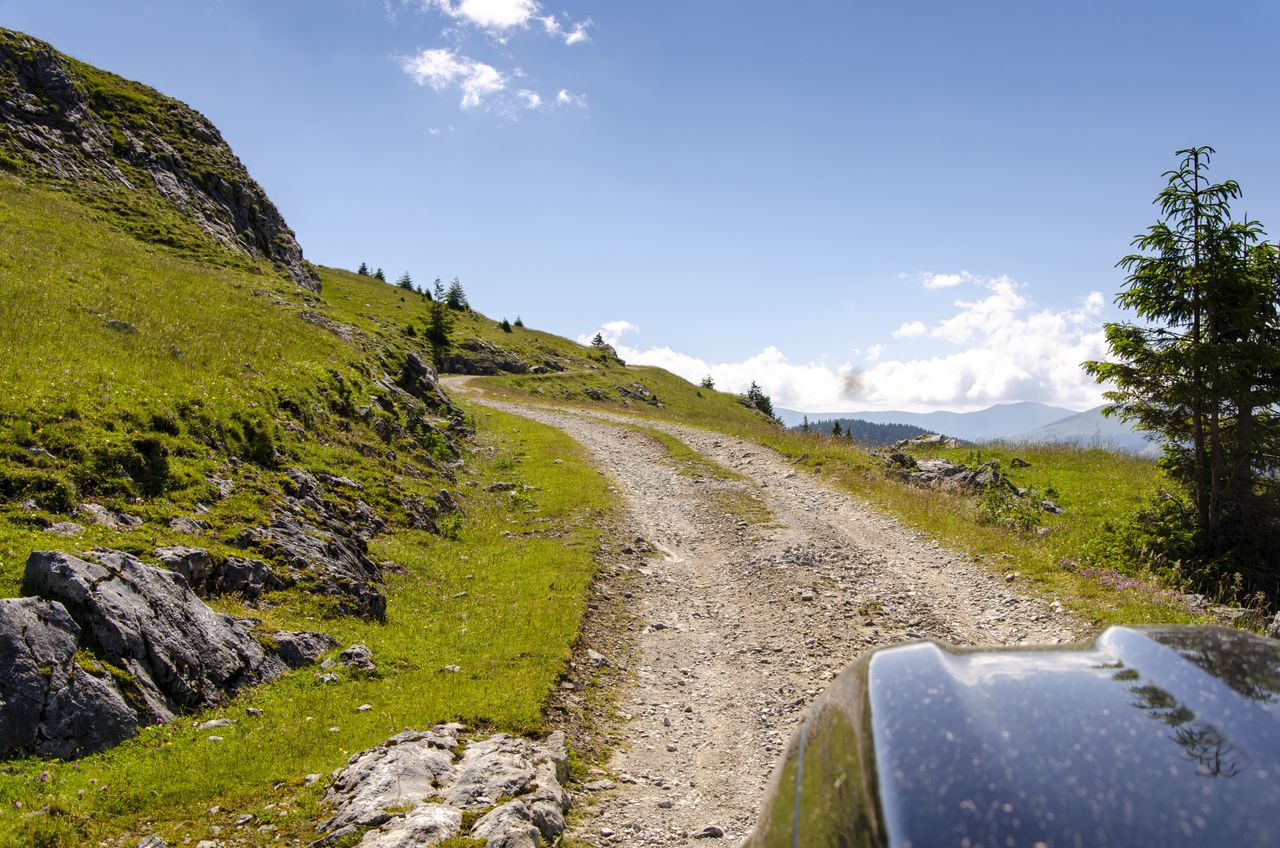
(1015,422)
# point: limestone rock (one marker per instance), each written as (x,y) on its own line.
(425,824)
(334,565)
(98,514)
(181,654)
(491,769)
(420,380)
(358,657)
(508,826)
(302,647)
(49,705)
(406,769)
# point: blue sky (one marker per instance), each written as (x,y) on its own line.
(858,205)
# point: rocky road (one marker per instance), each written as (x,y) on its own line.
(739,622)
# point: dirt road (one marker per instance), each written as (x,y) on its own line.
(739,623)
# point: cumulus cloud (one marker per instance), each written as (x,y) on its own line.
(495,15)
(500,17)
(945,281)
(910,330)
(442,69)
(1005,350)
(532,100)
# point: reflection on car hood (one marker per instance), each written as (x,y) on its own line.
(1151,736)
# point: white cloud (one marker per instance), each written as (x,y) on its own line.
(1007,350)
(576,33)
(910,330)
(442,69)
(500,17)
(567,98)
(532,100)
(946,281)
(494,15)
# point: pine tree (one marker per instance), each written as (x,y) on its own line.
(456,298)
(363,270)
(1202,369)
(598,341)
(758,399)
(379,275)
(804,425)
(707,382)
(519,322)
(505,325)
(836,429)
(439,324)
(405,281)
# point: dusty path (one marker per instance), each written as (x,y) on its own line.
(740,624)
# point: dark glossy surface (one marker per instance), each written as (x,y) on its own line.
(1163,736)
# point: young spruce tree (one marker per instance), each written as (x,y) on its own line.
(1201,368)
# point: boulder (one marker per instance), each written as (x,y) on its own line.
(497,767)
(425,824)
(49,705)
(303,647)
(100,515)
(181,654)
(239,575)
(358,657)
(508,826)
(404,770)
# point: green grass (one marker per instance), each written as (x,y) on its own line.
(221,377)
(502,601)
(678,400)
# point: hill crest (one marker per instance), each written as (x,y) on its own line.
(156,167)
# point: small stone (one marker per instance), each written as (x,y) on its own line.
(214,724)
(665,804)
(327,678)
(66,528)
(599,785)
(152,842)
(215,738)
(364,708)
(243,819)
(253,711)
(711,831)
(453,669)
(671,749)
(310,779)
(335,730)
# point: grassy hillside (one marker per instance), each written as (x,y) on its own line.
(135,377)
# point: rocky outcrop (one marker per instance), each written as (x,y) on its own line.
(329,564)
(49,705)
(116,644)
(477,356)
(248,578)
(66,123)
(947,476)
(415,790)
(420,380)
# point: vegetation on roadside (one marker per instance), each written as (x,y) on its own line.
(1202,370)
(500,598)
